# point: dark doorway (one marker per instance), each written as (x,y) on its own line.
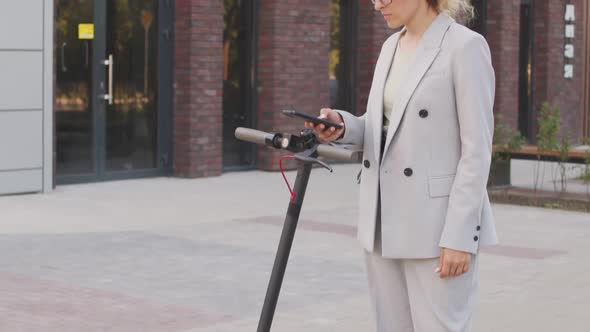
(343,46)
(525,75)
(239,80)
(479,23)
(113,89)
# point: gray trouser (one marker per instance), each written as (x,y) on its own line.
(407,295)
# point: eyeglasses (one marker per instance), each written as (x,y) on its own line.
(383,2)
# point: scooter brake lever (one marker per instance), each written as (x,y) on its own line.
(326,166)
(306,158)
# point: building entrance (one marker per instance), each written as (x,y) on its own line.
(113,89)
(239,80)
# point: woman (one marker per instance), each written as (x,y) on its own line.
(424,210)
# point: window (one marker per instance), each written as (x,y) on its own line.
(525,75)
(479,22)
(342,63)
(239,75)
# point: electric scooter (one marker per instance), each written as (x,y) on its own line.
(307,149)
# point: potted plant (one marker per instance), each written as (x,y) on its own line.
(507,140)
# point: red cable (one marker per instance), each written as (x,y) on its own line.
(289,156)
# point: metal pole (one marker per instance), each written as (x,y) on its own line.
(282,256)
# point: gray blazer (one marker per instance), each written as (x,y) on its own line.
(436,161)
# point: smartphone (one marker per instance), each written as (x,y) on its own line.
(315,120)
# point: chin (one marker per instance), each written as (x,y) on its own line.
(394,25)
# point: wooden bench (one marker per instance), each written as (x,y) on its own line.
(530,152)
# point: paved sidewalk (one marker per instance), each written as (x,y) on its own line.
(172,255)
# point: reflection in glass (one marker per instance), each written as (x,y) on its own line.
(131,122)
(479,22)
(341,69)
(525,98)
(334,71)
(238,73)
(73,72)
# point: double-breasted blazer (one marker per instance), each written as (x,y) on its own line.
(436,161)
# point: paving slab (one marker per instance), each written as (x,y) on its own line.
(169,254)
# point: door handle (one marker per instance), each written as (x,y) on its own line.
(87,53)
(109,63)
(63,57)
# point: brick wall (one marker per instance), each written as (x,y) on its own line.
(198,71)
(293,60)
(292,66)
(550,85)
(503,31)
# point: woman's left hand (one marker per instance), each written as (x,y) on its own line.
(453,262)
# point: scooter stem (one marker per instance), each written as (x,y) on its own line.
(282,256)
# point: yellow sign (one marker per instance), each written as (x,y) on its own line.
(85,31)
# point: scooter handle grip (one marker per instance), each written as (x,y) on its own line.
(253,136)
(339,154)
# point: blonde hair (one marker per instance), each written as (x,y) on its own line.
(455,8)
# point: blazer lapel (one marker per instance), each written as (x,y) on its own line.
(381,71)
(427,50)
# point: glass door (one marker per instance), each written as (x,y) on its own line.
(525,75)
(113,89)
(342,69)
(479,23)
(132,49)
(74,109)
(239,77)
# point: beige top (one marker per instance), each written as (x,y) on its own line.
(395,76)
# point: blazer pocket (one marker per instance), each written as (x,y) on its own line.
(440,185)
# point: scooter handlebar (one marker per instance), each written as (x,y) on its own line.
(339,154)
(325,151)
(253,136)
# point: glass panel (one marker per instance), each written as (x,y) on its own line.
(341,63)
(479,22)
(73,73)
(238,70)
(131,122)
(525,70)
(335,64)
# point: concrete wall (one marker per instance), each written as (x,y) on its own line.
(26,44)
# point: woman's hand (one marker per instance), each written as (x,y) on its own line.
(453,262)
(327,134)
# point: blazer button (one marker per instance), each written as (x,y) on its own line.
(475,238)
(478,228)
(367,164)
(408,171)
(423,113)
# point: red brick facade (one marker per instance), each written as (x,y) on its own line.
(198,75)
(293,65)
(293,50)
(503,26)
(548,61)
(550,85)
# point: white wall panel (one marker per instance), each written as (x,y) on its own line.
(21,140)
(25,181)
(21,80)
(21,24)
